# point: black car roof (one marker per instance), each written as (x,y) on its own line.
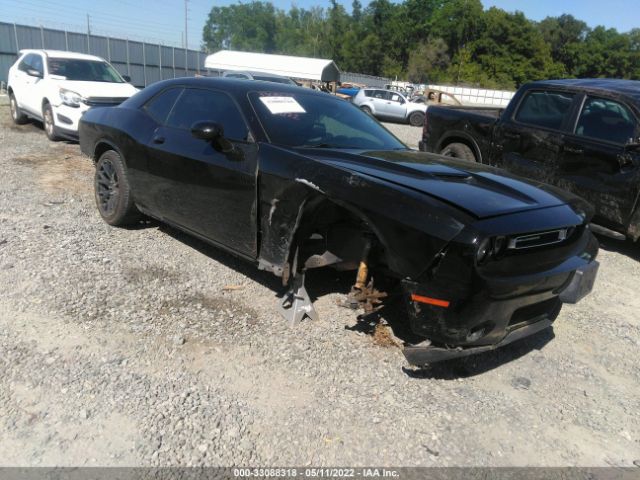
(234,86)
(627,88)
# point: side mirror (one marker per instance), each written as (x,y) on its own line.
(207,131)
(32,72)
(214,133)
(126,78)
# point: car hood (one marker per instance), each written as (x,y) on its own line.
(98,89)
(478,189)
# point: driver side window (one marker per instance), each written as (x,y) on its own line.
(201,105)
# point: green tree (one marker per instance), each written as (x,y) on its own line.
(429,62)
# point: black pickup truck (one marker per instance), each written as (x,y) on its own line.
(580,135)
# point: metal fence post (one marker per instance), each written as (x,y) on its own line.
(109,49)
(66,41)
(42,36)
(128,65)
(174,61)
(160,60)
(144,64)
(15,34)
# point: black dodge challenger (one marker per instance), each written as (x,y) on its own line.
(293,179)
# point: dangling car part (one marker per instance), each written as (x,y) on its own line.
(292,179)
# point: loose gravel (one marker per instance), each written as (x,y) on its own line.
(143,346)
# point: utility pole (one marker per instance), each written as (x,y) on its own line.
(186,38)
(186,30)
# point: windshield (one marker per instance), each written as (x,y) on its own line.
(313,120)
(84,70)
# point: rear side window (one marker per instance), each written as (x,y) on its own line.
(160,105)
(545,109)
(197,105)
(606,120)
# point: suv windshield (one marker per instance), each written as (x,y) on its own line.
(313,120)
(83,70)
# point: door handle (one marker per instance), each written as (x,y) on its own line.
(512,135)
(574,150)
(158,139)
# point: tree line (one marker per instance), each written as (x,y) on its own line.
(435,41)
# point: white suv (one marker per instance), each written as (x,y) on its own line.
(388,104)
(58,87)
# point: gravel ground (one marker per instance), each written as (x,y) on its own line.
(145,347)
(408,134)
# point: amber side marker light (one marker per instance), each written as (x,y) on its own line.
(429,300)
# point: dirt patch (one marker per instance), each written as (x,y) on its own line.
(142,275)
(61,169)
(383,337)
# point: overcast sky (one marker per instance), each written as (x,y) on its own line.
(163,20)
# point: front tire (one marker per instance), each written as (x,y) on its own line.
(113,191)
(49,124)
(459,150)
(416,119)
(17,116)
(366,110)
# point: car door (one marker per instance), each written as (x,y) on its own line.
(379,99)
(198,187)
(528,143)
(26,84)
(396,106)
(599,161)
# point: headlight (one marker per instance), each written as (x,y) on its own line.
(483,250)
(490,248)
(70,98)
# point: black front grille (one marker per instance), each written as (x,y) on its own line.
(539,239)
(104,101)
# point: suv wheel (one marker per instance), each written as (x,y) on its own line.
(459,150)
(113,192)
(416,119)
(49,124)
(17,116)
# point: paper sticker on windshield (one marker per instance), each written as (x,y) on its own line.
(282,105)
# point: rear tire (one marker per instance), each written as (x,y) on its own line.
(366,110)
(459,150)
(113,192)
(416,119)
(49,124)
(17,116)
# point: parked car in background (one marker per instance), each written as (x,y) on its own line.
(58,87)
(293,179)
(265,77)
(390,105)
(581,135)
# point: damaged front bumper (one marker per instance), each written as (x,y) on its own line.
(482,324)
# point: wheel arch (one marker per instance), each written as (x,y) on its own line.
(465,139)
(104,145)
(277,251)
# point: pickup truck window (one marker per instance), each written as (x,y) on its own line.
(606,120)
(544,109)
